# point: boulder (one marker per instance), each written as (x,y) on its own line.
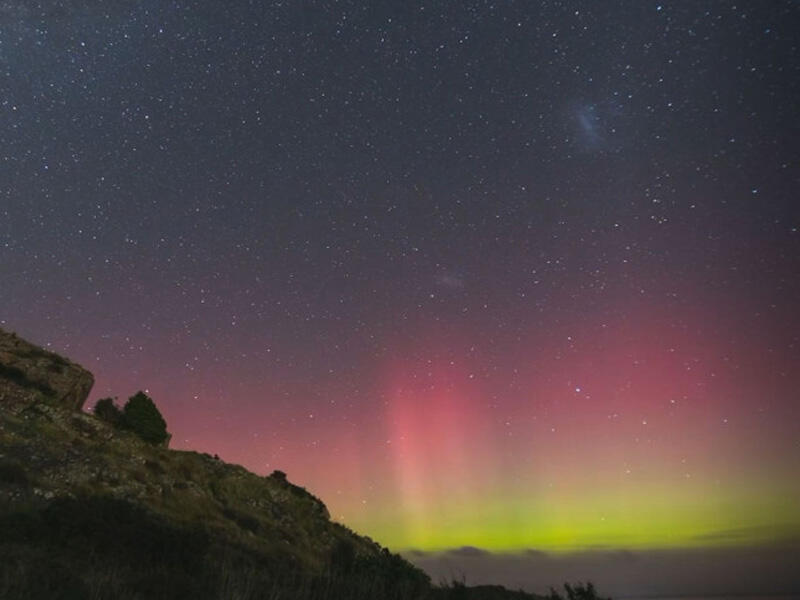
(30,374)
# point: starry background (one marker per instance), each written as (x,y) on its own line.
(495,275)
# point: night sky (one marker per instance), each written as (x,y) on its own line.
(490,276)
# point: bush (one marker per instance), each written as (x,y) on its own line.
(278,476)
(577,592)
(141,416)
(108,411)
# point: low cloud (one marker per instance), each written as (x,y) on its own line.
(759,569)
(747,533)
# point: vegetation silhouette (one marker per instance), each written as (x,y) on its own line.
(139,415)
(577,592)
(108,411)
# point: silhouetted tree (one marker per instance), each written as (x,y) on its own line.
(108,411)
(141,416)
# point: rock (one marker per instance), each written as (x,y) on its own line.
(30,374)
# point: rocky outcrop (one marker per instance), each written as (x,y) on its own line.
(29,374)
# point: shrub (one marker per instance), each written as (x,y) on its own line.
(108,411)
(141,416)
(577,592)
(278,476)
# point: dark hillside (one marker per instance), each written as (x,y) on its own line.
(90,510)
